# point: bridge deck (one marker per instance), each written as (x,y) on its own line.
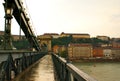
(41,71)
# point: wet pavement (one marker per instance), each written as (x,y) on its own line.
(41,71)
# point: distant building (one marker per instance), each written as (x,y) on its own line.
(116,45)
(115,39)
(78,51)
(59,49)
(115,52)
(14,37)
(105,45)
(107,52)
(62,48)
(75,35)
(104,38)
(56,49)
(116,42)
(1,32)
(54,35)
(98,52)
(18,37)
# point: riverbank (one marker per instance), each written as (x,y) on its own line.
(95,60)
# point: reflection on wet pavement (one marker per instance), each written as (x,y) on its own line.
(42,71)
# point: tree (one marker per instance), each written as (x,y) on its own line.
(67,40)
(22,44)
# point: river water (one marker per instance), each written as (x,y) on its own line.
(101,71)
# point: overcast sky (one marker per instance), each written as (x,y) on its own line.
(95,17)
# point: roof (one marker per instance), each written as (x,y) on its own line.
(74,33)
(51,34)
(79,44)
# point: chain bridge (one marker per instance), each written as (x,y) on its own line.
(38,65)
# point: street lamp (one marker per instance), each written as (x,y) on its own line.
(9,11)
(7,43)
(8,7)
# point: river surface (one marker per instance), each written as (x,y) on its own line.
(101,71)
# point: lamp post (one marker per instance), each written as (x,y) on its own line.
(7,42)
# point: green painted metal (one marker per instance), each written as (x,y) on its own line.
(65,71)
(10,68)
(7,41)
(22,18)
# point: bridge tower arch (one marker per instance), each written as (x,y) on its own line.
(45,42)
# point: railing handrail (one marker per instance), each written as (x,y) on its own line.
(77,74)
(17,51)
(17,64)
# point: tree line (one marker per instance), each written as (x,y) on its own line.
(18,44)
(67,40)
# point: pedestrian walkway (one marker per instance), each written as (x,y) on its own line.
(41,71)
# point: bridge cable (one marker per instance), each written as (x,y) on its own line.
(31,21)
(20,11)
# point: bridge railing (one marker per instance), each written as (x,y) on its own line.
(16,62)
(65,71)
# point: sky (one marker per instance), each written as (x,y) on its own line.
(95,17)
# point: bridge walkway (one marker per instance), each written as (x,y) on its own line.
(41,71)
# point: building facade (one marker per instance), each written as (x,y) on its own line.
(55,49)
(107,52)
(115,52)
(78,51)
(97,52)
(104,38)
